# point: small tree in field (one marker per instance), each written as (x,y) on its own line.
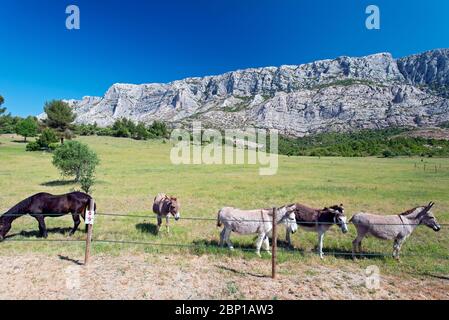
(59,117)
(27,128)
(76,160)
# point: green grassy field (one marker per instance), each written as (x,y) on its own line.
(132,172)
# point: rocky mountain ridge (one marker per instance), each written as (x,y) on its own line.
(342,94)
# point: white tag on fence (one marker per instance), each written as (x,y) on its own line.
(90,217)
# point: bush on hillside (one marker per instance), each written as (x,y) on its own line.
(75,159)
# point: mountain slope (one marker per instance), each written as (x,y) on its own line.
(346,93)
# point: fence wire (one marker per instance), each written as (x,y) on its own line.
(226,250)
(195,246)
(123,215)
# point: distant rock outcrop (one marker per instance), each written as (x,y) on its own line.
(346,93)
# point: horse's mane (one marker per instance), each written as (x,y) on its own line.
(19,208)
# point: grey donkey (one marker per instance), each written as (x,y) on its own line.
(393,227)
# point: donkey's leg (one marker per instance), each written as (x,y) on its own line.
(359,248)
(266,245)
(159,223)
(288,238)
(259,242)
(320,244)
(76,221)
(397,247)
(227,235)
(222,237)
(42,228)
(357,244)
(167,223)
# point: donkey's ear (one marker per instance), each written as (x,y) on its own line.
(426,209)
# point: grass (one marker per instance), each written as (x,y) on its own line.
(132,172)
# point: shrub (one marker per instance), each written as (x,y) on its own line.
(105,132)
(86,130)
(53,146)
(48,140)
(87,180)
(33,146)
(388,154)
(27,128)
(158,129)
(141,132)
(75,159)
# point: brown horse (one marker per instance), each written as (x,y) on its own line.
(44,205)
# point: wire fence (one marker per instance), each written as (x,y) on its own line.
(215,246)
(313,223)
(226,250)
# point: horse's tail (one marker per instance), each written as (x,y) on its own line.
(87,207)
(219,223)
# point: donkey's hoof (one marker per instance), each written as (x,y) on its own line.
(258,254)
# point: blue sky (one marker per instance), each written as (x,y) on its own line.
(143,41)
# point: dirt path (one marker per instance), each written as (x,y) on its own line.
(195,277)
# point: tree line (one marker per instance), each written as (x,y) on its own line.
(58,126)
(392,142)
(72,158)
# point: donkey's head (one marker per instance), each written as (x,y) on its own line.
(174,208)
(339,217)
(427,218)
(289,217)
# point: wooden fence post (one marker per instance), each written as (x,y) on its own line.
(274,246)
(89,221)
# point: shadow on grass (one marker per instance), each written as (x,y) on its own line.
(347,255)
(19,141)
(214,244)
(36,233)
(242,273)
(336,252)
(58,183)
(77,262)
(434,276)
(147,228)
